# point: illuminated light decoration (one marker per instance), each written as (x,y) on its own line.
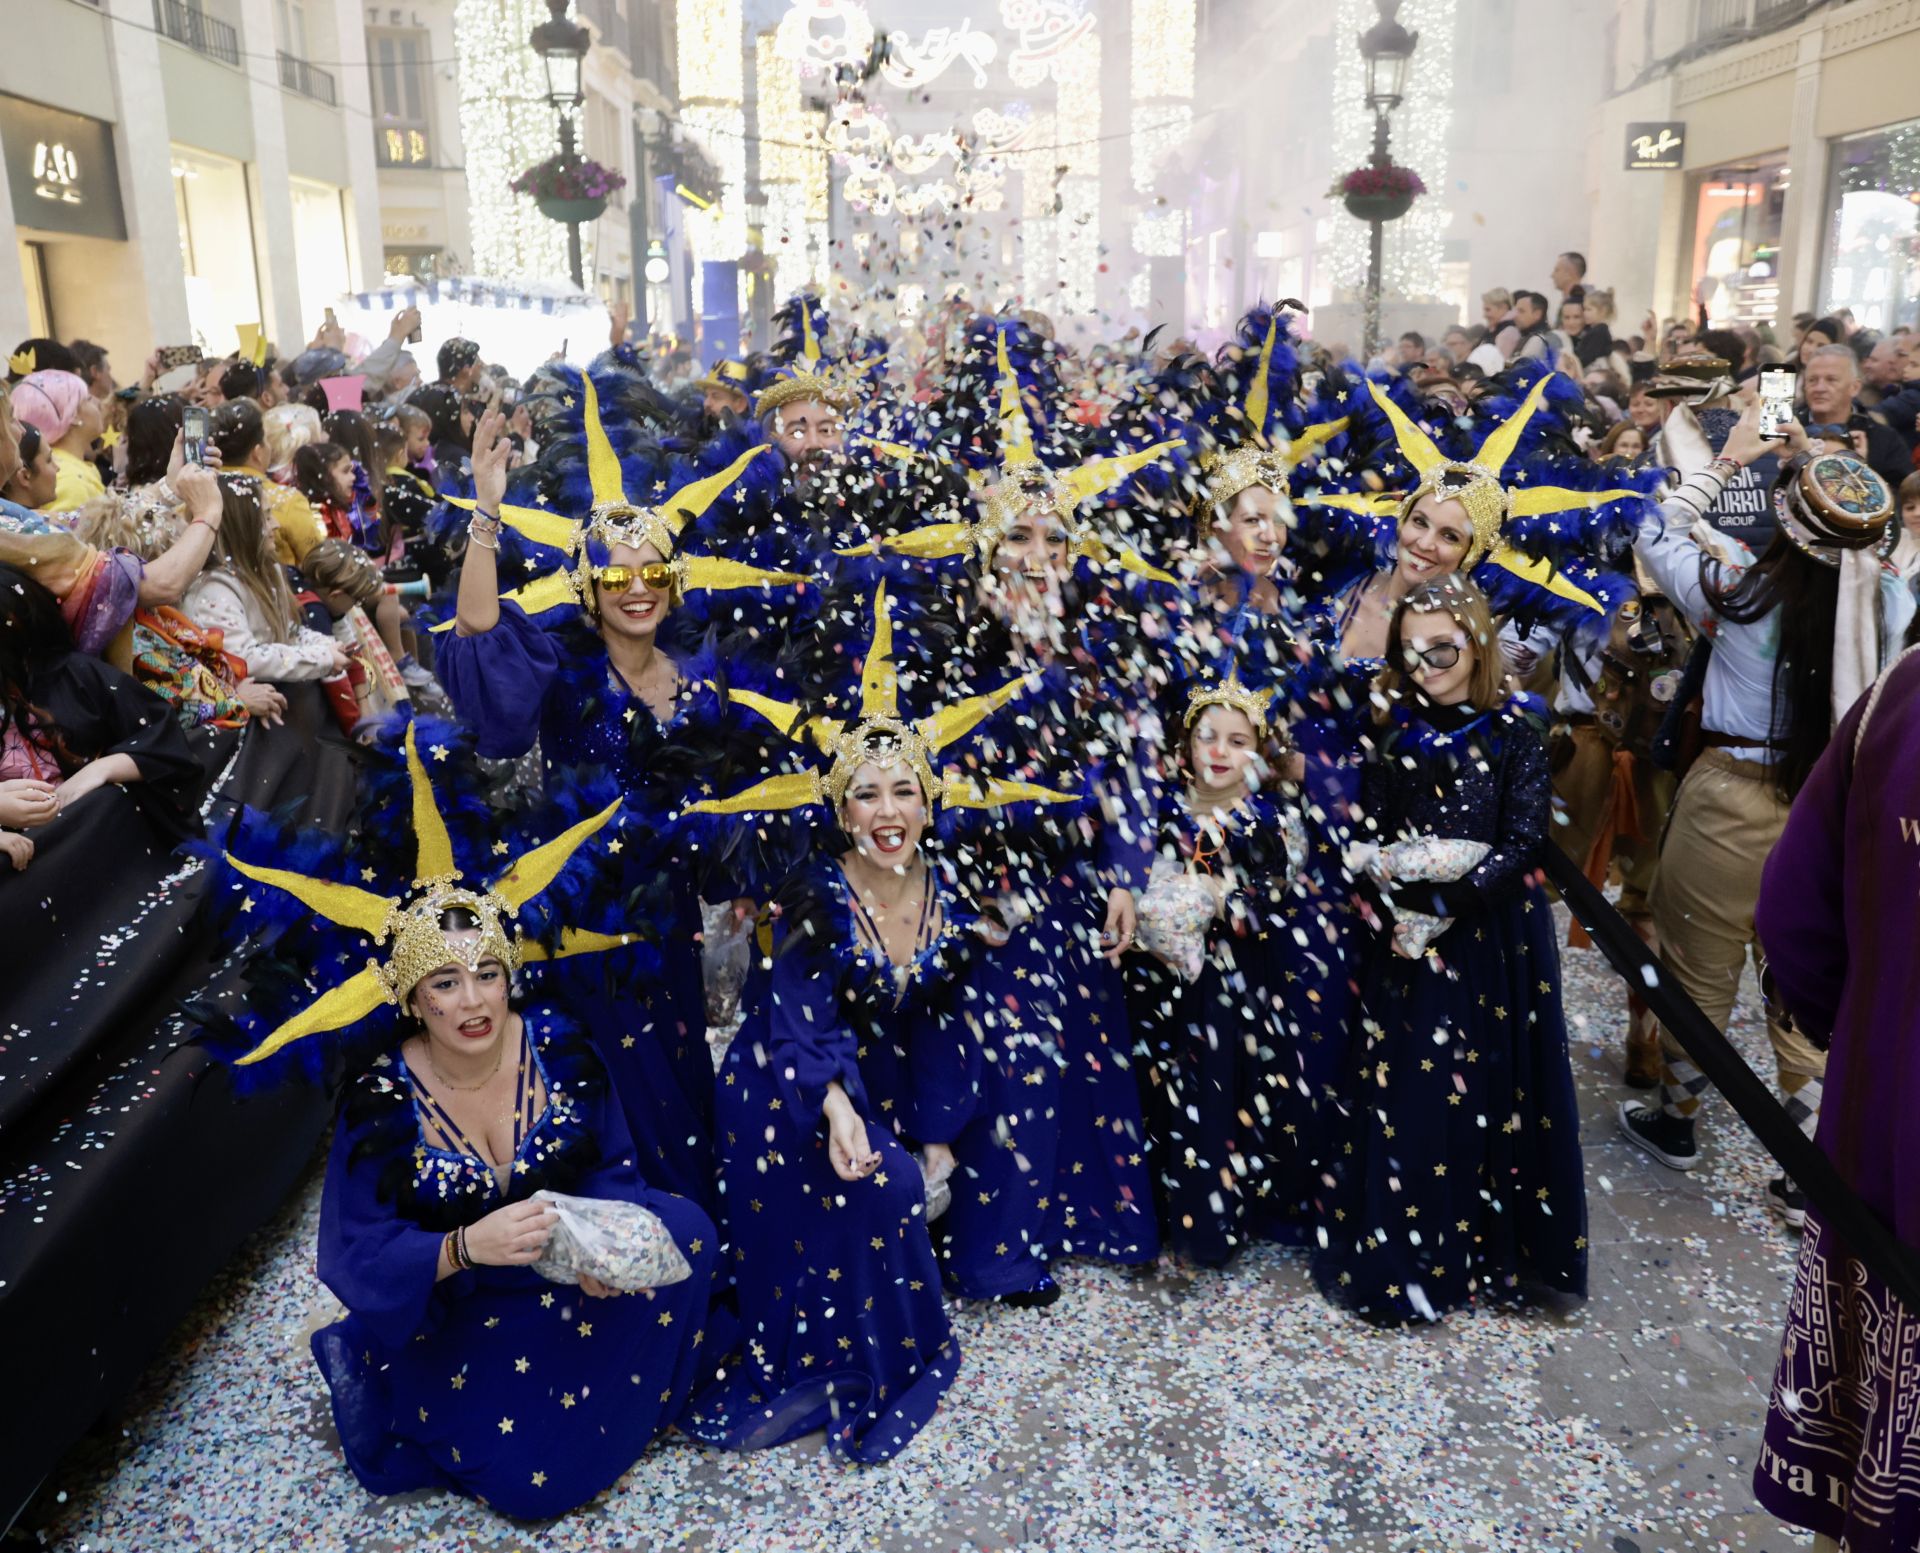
(913,157)
(712,87)
(910,66)
(506,125)
(1039,247)
(1414,246)
(1076,68)
(1001,132)
(1049,30)
(792,158)
(1160,82)
(817,35)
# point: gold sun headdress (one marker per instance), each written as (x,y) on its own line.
(617,519)
(1256,704)
(1478,485)
(812,377)
(408,924)
(1229,469)
(882,737)
(1023,484)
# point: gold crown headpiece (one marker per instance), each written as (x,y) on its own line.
(22,363)
(409,923)
(882,737)
(812,377)
(1478,485)
(1026,485)
(1229,692)
(616,519)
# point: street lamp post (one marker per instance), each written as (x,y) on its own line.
(1387,47)
(562,47)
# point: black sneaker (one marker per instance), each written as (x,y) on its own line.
(1668,1139)
(1788,1201)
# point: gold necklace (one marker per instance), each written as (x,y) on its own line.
(499,1054)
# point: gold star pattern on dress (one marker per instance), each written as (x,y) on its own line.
(566,1399)
(586,1329)
(521,1366)
(539,1480)
(506,1426)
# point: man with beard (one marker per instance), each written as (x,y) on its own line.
(800,413)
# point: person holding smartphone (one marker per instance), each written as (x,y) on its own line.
(1769,707)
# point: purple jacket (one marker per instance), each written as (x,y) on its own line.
(1839,918)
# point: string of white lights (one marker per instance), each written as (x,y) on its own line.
(1160,80)
(712,90)
(788,167)
(505,127)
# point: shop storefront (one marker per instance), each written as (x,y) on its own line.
(320,247)
(68,221)
(1872,261)
(214,212)
(1738,214)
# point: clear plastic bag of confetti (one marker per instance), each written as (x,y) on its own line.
(619,1243)
(1174,913)
(726,953)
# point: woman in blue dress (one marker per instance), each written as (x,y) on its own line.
(592,658)
(860,1040)
(457,1365)
(1226,1001)
(1045,597)
(1458,1174)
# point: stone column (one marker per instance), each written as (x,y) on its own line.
(269,180)
(144,151)
(352,83)
(1803,220)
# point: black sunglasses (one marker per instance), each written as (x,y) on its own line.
(1442,655)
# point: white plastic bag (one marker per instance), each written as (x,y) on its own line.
(619,1243)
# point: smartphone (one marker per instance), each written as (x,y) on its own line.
(331,320)
(1776,400)
(416,336)
(194,425)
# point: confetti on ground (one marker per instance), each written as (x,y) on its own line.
(1160,1410)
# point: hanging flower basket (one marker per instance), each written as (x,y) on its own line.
(1379,193)
(569,189)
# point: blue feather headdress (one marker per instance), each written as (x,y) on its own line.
(339,934)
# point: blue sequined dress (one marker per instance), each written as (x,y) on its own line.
(842,1320)
(1235,1066)
(1459,1173)
(646,1017)
(494,1382)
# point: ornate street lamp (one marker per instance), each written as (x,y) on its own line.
(1387,48)
(562,47)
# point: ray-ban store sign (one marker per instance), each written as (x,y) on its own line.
(1655,148)
(61,169)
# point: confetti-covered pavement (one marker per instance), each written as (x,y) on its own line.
(1153,1411)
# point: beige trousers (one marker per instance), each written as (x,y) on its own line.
(1726,818)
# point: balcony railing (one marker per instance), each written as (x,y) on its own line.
(1722,21)
(296,75)
(184,22)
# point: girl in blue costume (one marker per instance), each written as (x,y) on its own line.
(856,1043)
(1059,1104)
(1218,1002)
(575,658)
(1459,1175)
(457,1365)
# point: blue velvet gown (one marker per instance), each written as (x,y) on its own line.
(1236,1065)
(835,1283)
(1054,1161)
(493,1382)
(646,1017)
(1463,1181)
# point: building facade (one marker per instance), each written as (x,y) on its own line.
(1785,143)
(179,169)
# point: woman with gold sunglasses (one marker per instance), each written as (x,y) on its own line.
(575,660)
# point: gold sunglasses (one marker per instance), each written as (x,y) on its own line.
(657,575)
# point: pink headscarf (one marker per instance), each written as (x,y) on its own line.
(49,402)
